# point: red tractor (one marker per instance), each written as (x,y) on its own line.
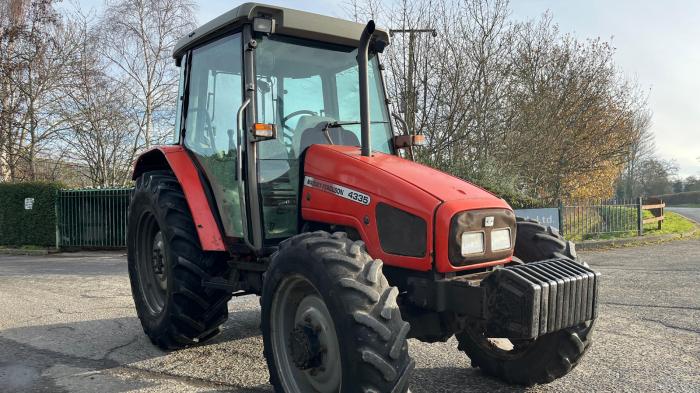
(285,180)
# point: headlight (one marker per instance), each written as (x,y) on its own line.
(472,243)
(500,239)
(480,236)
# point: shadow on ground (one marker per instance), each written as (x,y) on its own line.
(41,357)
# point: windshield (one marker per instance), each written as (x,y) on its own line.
(303,86)
(311,92)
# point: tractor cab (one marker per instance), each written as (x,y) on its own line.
(303,90)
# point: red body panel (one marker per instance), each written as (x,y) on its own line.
(339,165)
(420,190)
(181,164)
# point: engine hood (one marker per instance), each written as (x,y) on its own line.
(434,182)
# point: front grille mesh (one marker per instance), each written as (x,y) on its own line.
(540,297)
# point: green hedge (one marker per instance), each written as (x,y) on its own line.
(35,227)
(681,198)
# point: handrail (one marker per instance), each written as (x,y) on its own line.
(239,171)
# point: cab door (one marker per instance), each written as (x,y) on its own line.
(213,95)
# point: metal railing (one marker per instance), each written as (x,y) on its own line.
(98,218)
(581,220)
(92,218)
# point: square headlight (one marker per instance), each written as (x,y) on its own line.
(500,239)
(472,243)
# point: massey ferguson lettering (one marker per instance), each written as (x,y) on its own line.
(340,191)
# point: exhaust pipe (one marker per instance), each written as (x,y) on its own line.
(362,58)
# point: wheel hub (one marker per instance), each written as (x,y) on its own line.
(305,347)
(304,339)
(158,260)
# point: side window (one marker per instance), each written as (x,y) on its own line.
(215,94)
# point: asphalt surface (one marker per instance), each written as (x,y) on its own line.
(691,212)
(67,324)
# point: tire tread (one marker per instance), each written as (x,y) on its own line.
(194,313)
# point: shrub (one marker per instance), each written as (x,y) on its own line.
(19,226)
(681,198)
(516,199)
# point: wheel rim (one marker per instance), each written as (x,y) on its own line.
(152,263)
(304,340)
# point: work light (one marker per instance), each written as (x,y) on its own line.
(472,243)
(500,239)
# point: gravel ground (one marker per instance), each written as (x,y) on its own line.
(68,325)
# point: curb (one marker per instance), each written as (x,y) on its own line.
(637,241)
(20,251)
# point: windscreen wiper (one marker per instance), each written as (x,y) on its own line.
(334,124)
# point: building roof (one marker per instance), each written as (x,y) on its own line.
(287,21)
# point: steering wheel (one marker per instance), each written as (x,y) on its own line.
(296,113)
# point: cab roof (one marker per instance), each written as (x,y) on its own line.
(287,22)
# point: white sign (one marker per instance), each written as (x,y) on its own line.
(335,189)
(545,216)
(28,203)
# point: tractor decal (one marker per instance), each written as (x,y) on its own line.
(340,191)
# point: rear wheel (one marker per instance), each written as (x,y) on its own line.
(529,362)
(167,266)
(330,321)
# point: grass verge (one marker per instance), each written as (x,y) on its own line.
(673,223)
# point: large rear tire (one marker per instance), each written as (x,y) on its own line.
(548,357)
(330,321)
(167,266)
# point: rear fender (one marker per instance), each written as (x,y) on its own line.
(176,159)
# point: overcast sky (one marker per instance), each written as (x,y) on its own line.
(657,45)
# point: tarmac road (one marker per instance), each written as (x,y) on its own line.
(691,212)
(67,324)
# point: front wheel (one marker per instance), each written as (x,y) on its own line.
(546,358)
(330,321)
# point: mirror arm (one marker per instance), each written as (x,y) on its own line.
(406,143)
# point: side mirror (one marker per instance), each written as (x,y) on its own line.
(406,141)
(263,132)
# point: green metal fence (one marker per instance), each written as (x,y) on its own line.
(590,218)
(93,218)
(98,218)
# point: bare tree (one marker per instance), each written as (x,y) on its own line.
(513,106)
(36,56)
(138,37)
(12,19)
(100,134)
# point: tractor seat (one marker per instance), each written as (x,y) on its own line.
(309,131)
